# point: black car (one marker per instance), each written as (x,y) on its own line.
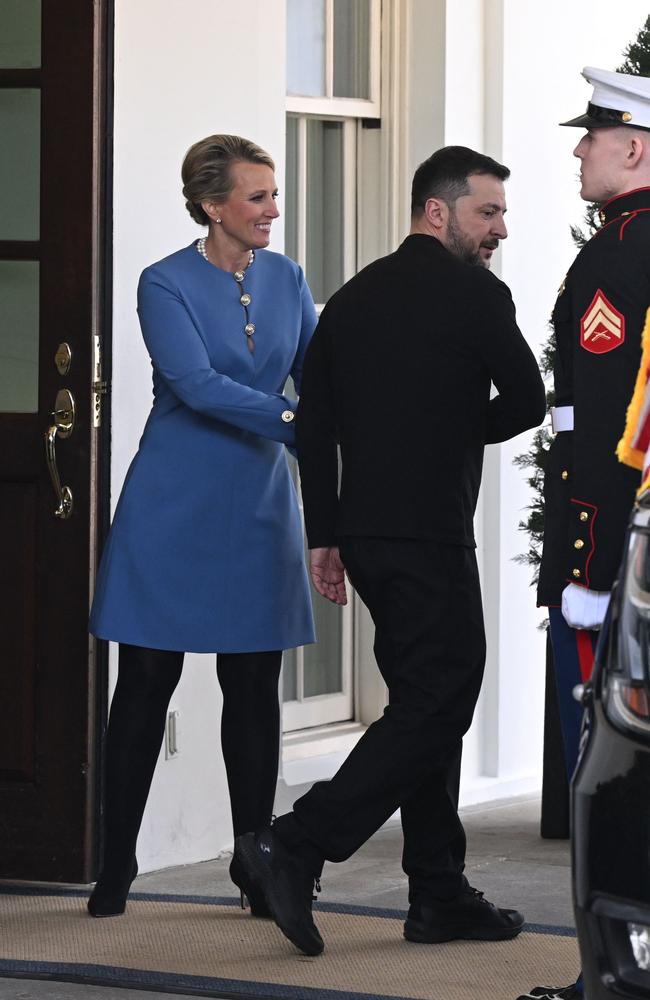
(611,789)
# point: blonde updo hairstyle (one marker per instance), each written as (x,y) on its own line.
(206,170)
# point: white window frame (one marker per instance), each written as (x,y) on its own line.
(327,709)
(345,107)
(324,709)
(350,213)
(304,713)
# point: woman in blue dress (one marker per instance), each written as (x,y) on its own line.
(205,553)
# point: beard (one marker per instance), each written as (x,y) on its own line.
(459,244)
(462,246)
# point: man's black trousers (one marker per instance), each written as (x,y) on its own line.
(425,601)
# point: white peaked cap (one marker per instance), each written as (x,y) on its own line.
(618,99)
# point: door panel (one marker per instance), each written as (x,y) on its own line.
(18,502)
(20,39)
(20,127)
(52,119)
(19,307)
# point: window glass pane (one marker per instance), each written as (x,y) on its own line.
(306,47)
(324,264)
(19,336)
(291,191)
(322,672)
(352,48)
(20,168)
(20,34)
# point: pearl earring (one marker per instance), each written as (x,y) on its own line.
(217,220)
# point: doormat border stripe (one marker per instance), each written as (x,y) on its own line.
(17,889)
(206,986)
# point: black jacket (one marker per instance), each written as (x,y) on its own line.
(598,320)
(399,372)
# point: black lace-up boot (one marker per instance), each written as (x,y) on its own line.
(468,915)
(287,882)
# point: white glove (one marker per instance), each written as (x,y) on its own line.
(584,608)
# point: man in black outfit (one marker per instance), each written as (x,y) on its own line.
(398,375)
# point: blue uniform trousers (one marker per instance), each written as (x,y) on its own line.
(573,656)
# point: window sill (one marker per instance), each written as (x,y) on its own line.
(316,754)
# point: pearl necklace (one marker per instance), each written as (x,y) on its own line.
(244,296)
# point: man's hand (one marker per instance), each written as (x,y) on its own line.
(328,573)
(584,608)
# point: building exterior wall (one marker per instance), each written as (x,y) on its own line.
(493,74)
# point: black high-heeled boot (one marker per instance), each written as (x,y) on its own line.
(145,682)
(255,898)
(108,898)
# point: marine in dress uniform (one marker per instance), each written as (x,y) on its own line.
(598,319)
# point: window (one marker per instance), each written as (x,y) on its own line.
(333,54)
(320,220)
(333,57)
(332,84)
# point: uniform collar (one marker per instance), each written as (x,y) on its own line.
(624,204)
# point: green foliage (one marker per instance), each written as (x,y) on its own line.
(637,54)
(534,462)
(636,62)
(591,221)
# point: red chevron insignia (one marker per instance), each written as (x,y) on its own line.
(602,328)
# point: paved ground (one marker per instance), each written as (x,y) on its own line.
(507,859)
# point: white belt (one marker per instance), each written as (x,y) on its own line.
(561,418)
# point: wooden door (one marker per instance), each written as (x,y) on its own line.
(53,113)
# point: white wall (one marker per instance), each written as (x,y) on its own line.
(182,71)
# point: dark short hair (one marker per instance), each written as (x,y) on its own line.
(446,173)
(206,170)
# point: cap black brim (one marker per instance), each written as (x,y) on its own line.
(586,121)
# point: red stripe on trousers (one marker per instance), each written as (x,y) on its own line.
(585,653)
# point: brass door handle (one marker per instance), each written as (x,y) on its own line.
(63,417)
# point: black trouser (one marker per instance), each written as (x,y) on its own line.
(250,739)
(425,601)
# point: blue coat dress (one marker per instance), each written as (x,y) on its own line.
(205,553)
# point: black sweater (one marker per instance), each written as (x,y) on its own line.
(399,373)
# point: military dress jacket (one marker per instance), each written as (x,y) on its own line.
(598,320)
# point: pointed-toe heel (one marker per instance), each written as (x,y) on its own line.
(108,898)
(255,898)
